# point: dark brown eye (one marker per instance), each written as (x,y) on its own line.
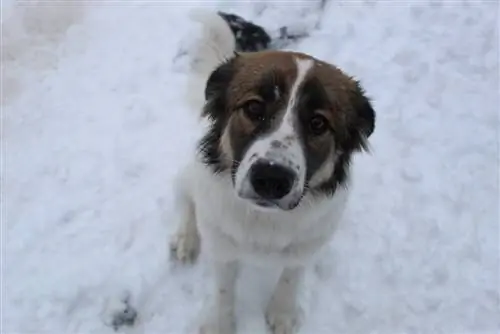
(255,110)
(318,125)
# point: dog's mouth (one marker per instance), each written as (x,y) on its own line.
(274,205)
(260,202)
(270,206)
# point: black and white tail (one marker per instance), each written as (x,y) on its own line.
(222,35)
(215,45)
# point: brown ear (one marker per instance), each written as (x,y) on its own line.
(363,123)
(216,91)
(216,87)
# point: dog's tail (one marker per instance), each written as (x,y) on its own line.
(217,42)
(216,45)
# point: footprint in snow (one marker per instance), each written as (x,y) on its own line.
(119,312)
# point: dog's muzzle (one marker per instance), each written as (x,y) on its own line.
(272,185)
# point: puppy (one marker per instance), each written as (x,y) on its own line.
(268,183)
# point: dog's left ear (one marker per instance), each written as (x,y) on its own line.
(216,87)
(364,118)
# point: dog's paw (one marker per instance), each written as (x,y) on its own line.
(218,324)
(284,319)
(185,247)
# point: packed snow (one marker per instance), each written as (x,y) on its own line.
(94,129)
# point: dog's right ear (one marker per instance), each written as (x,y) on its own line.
(216,88)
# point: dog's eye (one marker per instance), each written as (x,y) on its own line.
(318,125)
(255,110)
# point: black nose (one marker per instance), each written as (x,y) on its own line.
(271,181)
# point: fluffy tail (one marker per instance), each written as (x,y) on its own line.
(222,35)
(216,44)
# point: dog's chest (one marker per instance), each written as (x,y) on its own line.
(222,212)
(231,226)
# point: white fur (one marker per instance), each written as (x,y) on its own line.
(215,45)
(233,230)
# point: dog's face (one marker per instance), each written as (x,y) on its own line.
(282,124)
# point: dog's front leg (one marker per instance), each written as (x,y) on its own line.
(284,313)
(185,243)
(219,315)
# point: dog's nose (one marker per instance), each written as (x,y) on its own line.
(271,181)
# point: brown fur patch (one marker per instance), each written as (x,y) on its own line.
(337,86)
(251,67)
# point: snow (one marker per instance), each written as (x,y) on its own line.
(94,129)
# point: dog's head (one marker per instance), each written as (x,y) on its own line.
(283,124)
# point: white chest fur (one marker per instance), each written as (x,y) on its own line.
(232,228)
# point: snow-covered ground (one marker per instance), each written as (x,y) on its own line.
(94,130)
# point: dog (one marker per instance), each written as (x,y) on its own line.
(269,181)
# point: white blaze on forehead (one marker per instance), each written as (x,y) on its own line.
(303,67)
(281,146)
(286,133)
